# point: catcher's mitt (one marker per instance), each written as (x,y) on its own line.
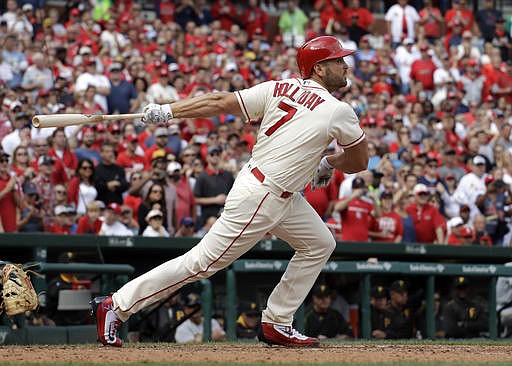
(18,294)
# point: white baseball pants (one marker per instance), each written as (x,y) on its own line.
(252,209)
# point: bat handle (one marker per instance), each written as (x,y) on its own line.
(116,117)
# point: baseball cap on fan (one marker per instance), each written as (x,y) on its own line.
(45,160)
(115,207)
(214,148)
(454,222)
(478,160)
(358,182)
(466,232)
(173,167)
(158,154)
(154,213)
(386,194)
(161,131)
(420,188)
(60,210)
(187,221)
(173,67)
(116,66)
(132,137)
(173,129)
(85,50)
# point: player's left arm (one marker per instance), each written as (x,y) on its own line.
(345,128)
(207,105)
(352,159)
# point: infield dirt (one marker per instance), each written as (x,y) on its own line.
(257,354)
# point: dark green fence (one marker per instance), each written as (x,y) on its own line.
(143,253)
(366,270)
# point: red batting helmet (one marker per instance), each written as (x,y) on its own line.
(319,49)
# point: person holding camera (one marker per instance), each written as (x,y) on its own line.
(492,205)
(356,210)
(429,224)
(30,218)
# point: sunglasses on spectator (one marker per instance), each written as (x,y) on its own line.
(4,160)
(86,167)
(214,154)
(22,154)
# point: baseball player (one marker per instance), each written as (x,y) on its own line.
(300,118)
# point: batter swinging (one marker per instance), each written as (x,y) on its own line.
(299,119)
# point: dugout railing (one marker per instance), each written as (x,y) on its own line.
(366,270)
(16,330)
(111,276)
(144,253)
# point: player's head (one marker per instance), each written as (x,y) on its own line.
(319,49)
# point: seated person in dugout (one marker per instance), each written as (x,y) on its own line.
(378,303)
(248,322)
(192,329)
(321,320)
(158,323)
(463,316)
(398,320)
(65,281)
(421,324)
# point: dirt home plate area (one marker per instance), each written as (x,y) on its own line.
(339,353)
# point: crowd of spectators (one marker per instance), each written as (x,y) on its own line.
(432,89)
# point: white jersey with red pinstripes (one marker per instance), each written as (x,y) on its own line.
(300,118)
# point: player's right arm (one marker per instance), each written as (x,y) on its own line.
(352,159)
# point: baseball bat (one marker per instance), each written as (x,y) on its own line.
(61,120)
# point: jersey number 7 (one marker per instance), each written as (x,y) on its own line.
(290,112)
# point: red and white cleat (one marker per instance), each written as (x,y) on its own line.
(285,336)
(107,322)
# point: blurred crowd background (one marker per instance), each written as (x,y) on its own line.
(431,82)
